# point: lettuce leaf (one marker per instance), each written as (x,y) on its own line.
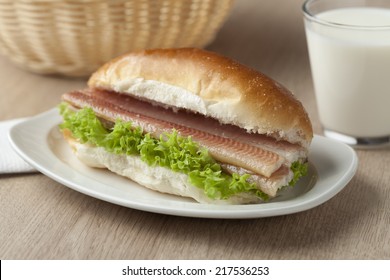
(299,170)
(172,151)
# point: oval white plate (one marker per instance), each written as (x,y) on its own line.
(39,142)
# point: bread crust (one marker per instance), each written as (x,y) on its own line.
(219,86)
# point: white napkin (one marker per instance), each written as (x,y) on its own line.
(10,162)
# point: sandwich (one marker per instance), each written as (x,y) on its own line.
(191,123)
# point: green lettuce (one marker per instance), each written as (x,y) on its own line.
(170,150)
(299,170)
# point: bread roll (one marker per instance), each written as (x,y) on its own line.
(209,84)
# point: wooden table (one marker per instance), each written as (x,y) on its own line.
(42,219)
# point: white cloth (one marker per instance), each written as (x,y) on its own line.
(10,161)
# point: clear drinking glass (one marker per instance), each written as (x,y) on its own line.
(349,50)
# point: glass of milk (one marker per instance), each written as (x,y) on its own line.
(349,50)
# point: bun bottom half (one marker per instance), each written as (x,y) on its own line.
(156,178)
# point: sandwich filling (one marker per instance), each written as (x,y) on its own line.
(220,159)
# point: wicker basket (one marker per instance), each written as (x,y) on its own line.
(73,38)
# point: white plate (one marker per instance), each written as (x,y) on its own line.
(39,142)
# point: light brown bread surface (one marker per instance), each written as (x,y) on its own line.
(210,84)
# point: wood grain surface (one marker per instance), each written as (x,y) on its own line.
(42,219)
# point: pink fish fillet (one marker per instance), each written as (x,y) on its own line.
(111,106)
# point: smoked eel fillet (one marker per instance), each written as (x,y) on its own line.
(225,150)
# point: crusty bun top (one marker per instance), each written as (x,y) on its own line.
(212,85)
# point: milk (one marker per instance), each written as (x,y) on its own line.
(351,70)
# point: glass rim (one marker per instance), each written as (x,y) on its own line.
(312,17)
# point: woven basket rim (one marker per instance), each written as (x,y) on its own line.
(73,37)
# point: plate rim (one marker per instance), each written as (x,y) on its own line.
(306,201)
